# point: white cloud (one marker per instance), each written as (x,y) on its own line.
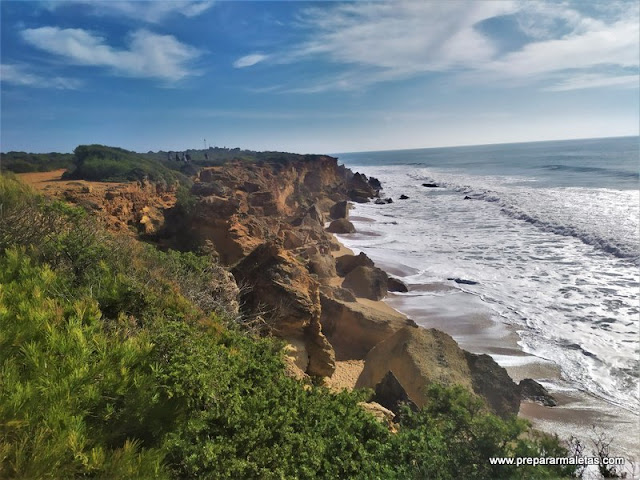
(249,60)
(149,55)
(595,81)
(151,11)
(22,76)
(615,44)
(405,36)
(368,43)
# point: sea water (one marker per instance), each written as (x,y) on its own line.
(548,230)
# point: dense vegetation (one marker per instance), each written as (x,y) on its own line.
(22,162)
(112,366)
(112,164)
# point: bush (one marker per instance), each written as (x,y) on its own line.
(111,164)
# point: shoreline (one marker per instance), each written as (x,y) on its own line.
(464,316)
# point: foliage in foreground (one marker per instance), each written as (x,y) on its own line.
(107,371)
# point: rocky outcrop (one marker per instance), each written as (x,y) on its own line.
(354,328)
(346,263)
(418,357)
(322,266)
(404,197)
(284,293)
(396,285)
(493,383)
(359,189)
(366,282)
(532,391)
(341,225)
(339,210)
(391,394)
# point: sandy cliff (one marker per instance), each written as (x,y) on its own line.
(265,221)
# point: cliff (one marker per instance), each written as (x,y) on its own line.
(265,222)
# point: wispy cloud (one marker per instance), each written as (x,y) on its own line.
(151,11)
(23,76)
(579,82)
(148,55)
(369,43)
(614,44)
(249,60)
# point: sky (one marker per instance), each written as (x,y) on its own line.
(315,77)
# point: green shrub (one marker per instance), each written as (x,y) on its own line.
(112,164)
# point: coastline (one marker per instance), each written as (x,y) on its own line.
(463,316)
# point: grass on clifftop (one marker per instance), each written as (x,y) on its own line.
(109,370)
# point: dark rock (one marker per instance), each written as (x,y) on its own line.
(391,394)
(403,197)
(388,200)
(491,381)
(339,210)
(463,281)
(366,282)
(380,201)
(341,225)
(395,285)
(533,391)
(467,197)
(375,183)
(430,185)
(346,263)
(359,189)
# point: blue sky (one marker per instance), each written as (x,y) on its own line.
(315,76)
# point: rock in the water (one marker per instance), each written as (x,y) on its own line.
(388,200)
(375,183)
(467,197)
(533,391)
(395,285)
(366,282)
(339,210)
(403,197)
(391,394)
(353,328)
(341,225)
(359,188)
(380,201)
(463,281)
(346,263)
(419,357)
(430,185)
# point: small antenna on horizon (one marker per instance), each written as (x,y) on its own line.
(205,143)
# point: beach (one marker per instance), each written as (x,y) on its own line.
(467,319)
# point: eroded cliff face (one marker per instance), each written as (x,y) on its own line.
(265,222)
(133,207)
(241,205)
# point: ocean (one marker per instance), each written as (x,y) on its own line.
(548,232)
